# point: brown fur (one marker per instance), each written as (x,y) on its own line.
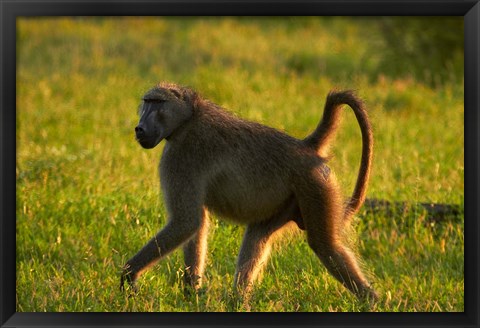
(253,175)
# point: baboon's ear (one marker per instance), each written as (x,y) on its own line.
(176,93)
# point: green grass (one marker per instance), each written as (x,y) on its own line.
(88,195)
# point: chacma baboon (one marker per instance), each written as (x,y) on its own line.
(253,175)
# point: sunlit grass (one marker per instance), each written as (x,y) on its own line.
(88,196)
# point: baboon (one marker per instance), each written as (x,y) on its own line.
(253,175)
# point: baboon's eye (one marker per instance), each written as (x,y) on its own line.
(154,101)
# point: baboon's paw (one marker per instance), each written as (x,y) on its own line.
(189,291)
(369,296)
(126,279)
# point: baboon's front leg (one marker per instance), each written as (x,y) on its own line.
(194,252)
(174,234)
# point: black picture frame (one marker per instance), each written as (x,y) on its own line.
(10,10)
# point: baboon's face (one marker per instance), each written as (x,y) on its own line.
(162,111)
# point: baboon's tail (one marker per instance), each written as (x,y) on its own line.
(321,138)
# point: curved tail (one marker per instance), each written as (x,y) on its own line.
(321,138)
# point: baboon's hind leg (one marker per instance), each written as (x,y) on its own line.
(254,252)
(194,252)
(322,212)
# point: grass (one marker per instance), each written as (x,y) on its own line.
(88,196)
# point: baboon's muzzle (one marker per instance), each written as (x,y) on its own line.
(139,132)
(144,140)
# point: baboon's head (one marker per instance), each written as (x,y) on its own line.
(163,110)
